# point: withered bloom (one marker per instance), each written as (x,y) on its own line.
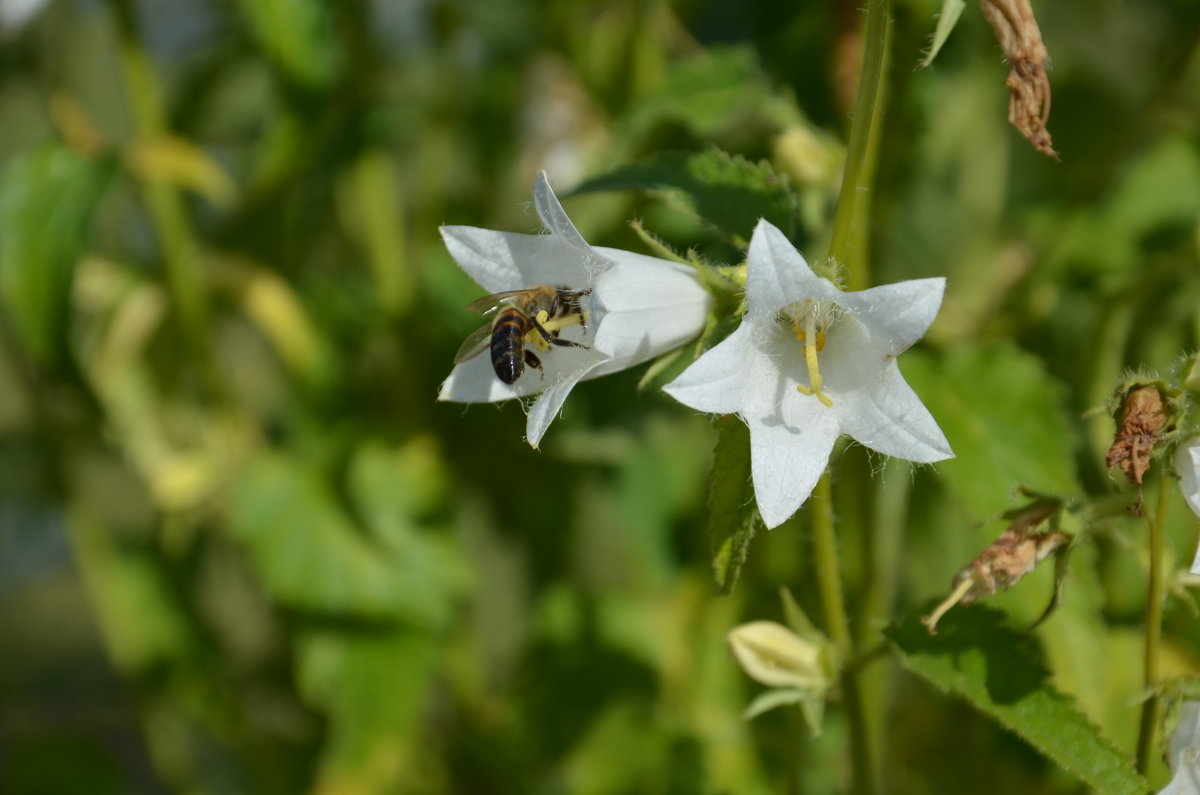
(1014,554)
(1143,415)
(1029,105)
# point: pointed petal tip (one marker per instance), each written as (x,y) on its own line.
(774,521)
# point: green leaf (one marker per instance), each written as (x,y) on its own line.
(718,90)
(311,556)
(1003,415)
(947,19)
(297,35)
(47,197)
(143,621)
(727,191)
(733,517)
(373,686)
(1001,673)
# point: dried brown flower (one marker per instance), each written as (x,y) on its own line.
(1017,31)
(1011,556)
(1143,415)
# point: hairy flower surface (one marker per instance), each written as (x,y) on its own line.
(1187,464)
(639,307)
(810,362)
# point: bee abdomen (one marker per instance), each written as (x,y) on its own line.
(508,345)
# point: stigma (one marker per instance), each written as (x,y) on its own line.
(812,334)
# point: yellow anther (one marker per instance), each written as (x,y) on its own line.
(552,326)
(807,335)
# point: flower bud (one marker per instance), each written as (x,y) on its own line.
(776,656)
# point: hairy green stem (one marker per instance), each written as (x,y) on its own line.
(837,626)
(849,242)
(167,212)
(881,567)
(849,246)
(1148,728)
(829,577)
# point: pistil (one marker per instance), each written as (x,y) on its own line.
(814,341)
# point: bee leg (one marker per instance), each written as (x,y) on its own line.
(574,305)
(571,299)
(548,336)
(531,360)
(579,309)
(560,342)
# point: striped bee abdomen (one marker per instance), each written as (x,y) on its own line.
(508,344)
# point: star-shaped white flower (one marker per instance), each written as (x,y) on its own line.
(1187,465)
(811,362)
(639,307)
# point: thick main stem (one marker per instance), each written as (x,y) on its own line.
(837,626)
(848,244)
(1154,609)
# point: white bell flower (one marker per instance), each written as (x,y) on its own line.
(1187,464)
(810,362)
(639,307)
(1183,753)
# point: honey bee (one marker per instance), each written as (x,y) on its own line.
(534,315)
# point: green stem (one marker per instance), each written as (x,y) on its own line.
(849,242)
(829,577)
(881,555)
(1154,609)
(165,205)
(849,246)
(837,626)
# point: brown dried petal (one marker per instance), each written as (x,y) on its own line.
(1029,105)
(1014,554)
(1142,417)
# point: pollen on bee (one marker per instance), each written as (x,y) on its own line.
(534,338)
(556,324)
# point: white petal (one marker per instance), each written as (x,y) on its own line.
(650,306)
(791,435)
(1187,464)
(720,380)
(499,261)
(873,402)
(777,275)
(553,216)
(550,403)
(897,315)
(789,450)
(474,381)
(15,13)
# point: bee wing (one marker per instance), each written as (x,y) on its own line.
(474,344)
(491,302)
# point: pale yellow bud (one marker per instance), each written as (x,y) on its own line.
(774,655)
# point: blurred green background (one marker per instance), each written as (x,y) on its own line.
(242,549)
